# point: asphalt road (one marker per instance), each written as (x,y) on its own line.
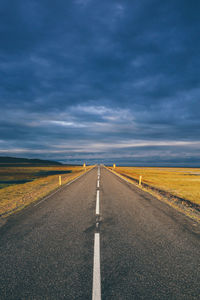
(148,250)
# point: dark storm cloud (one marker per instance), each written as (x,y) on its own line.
(107,80)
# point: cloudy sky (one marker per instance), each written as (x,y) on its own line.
(101,81)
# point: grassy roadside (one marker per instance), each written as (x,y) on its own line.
(176,186)
(17,196)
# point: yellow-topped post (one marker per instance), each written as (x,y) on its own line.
(114,166)
(140,180)
(84,166)
(60,180)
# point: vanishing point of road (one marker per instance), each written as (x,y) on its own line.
(99,238)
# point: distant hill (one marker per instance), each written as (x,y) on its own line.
(8,161)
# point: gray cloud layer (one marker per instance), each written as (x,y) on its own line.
(101,81)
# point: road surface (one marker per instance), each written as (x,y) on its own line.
(99,238)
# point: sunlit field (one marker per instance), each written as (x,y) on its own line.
(19,186)
(181,182)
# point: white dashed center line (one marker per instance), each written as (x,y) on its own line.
(96,289)
(97,203)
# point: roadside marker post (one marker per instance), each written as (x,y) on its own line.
(60,182)
(140,180)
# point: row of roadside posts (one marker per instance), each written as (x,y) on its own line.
(114,166)
(60,179)
(140,178)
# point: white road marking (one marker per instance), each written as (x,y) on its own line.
(118,175)
(96,288)
(97,203)
(98,183)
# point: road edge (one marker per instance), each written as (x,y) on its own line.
(194,215)
(5,217)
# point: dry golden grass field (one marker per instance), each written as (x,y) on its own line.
(20,186)
(180,182)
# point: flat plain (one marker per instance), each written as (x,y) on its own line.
(20,186)
(180,182)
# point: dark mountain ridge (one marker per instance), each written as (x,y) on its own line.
(6,161)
